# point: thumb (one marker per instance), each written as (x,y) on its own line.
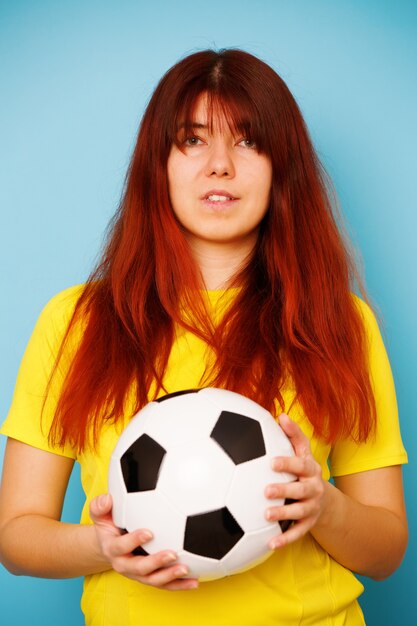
(288,426)
(299,441)
(100,507)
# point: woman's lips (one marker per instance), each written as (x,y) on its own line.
(219,199)
(219,203)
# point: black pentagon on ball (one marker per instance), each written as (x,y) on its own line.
(212,534)
(174,394)
(286,523)
(141,464)
(239,436)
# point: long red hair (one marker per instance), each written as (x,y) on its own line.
(294,316)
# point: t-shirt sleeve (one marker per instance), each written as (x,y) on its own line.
(385,447)
(30,416)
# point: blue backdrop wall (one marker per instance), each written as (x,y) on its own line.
(75,78)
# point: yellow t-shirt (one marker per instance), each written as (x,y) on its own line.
(298,585)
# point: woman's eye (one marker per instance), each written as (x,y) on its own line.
(247,143)
(192,141)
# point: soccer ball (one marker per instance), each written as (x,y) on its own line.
(192,467)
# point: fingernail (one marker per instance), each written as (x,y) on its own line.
(181,571)
(192,585)
(170,557)
(276,464)
(146,535)
(270,492)
(103,501)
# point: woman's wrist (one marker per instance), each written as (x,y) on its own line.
(98,560)
(332,508)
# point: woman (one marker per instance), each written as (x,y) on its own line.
(224,266)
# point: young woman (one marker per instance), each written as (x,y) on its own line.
(224,267)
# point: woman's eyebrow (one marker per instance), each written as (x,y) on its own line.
(192,125)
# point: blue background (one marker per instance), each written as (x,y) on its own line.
(75,78)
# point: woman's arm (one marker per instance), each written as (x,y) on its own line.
(361,521)
(32,539)
(363,524)
(34,542)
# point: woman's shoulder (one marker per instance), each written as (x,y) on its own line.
(60,308)
(375,334)
(66,297)
(367,312)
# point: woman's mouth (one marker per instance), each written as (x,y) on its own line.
(217,198)
(219,204)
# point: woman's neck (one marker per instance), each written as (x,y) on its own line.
(219,263)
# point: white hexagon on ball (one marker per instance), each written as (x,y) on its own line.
(196,476)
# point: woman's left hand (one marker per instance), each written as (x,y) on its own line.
(308,490)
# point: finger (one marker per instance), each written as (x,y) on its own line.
(158,570)
(295,532)
(125,543)
(304,466)
(165,576)
(146,565)
(295,490)
(294,511)
(299,441)
(171,578)
(183,584)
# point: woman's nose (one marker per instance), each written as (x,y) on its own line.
(220,161)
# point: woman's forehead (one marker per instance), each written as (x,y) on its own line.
(210,112)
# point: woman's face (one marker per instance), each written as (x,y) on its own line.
(219,185)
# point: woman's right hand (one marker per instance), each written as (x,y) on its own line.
(157,570)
